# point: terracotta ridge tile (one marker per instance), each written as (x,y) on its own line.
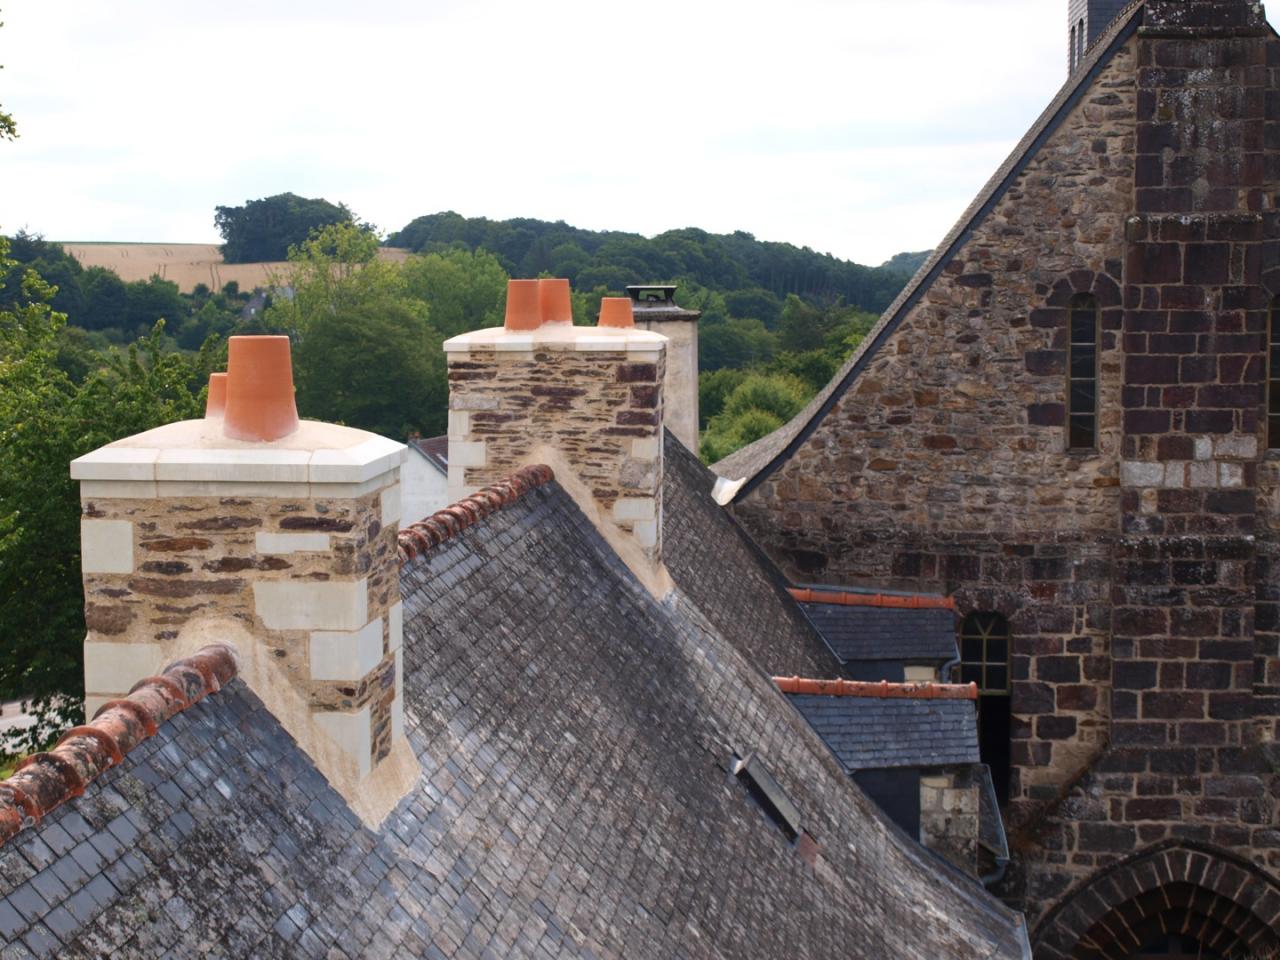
(418,538)
(883,689)
(912,601)
(44,781)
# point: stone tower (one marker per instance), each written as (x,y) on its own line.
(1086,19)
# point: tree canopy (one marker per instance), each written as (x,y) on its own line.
(264,230)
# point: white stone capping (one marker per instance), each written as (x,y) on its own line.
(348,655)
(634,508)
(357,464)
(643,356)
(118,490)
(194,457)
(349,491)
(116,463)
(467,453)
(301,605)
(233,466)
(389,505)
(352,733)
(556,336)
(213,488)
(395,626)
(106,546)
(281,543)
(111,669)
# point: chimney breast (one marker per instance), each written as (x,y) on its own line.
(284,548)
(592,395)
(655,309)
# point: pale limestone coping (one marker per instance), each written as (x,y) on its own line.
(297,605)
(111,669)
(553,336)
(233,466)
(353,735)
(151,490)
(106,546)
(725,490)
(389,505)
(395,626)
(467,453)
(634,508)
(281,543)
(348,655)
(198,451)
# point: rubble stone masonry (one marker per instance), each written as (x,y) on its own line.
(1141,578)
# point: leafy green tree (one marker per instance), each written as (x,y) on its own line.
(264,230)
(758,405)
(462,290)
(8,129)
(734,343)
(365,353)
(47,419)
(714,387)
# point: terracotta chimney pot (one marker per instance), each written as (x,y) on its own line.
(556,301)
(216,405)
(260,403)
(524,305)
(616,312)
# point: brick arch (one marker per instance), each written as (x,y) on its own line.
(1101,285)
(1228,904)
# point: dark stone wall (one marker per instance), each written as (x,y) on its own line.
(1141,579)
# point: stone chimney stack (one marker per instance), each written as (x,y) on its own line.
(655,310)
(273,535)
(539,389)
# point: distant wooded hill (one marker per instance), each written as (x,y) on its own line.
(612,259)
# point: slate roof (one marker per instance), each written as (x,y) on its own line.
(717,564)
(874,733)
(435,450)
(574,735)
(754,462)
(885,633)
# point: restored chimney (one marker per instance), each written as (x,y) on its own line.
(655,309)
(539,388)
(273,535)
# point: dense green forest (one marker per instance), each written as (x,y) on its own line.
(724,262)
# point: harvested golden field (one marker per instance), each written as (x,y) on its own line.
(185,264)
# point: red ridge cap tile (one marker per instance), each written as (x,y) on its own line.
(418,538)
(44,781)
(915,601)
(883,689)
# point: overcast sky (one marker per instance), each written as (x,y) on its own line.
(858,127)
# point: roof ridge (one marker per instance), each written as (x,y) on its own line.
(904,601)
(434,530)
(44,781)
(881,690)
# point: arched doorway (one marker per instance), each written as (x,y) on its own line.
(1176,903)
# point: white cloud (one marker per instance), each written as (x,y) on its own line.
(862,127)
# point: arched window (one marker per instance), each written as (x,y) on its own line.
(1082,374)
(1071,52)
(984,660)
(1080,42)
(1273,376)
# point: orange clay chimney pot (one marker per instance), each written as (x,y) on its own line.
(524,305)
(259,389)
(616,312)
(216,405)
(556,304)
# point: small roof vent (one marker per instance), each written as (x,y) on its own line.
(767,792)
